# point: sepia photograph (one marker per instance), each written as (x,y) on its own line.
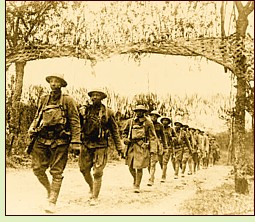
(129,108)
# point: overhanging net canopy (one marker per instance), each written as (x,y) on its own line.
(98,30)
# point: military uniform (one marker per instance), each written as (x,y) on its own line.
(205,151)
(98,122)
(170,136)
(59,125)
(139,135)
(194,145)
(182,149)
(199,141)
(156,155)
(213,152)
(191,151)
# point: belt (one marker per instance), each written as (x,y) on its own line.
(48,135)
(136,140)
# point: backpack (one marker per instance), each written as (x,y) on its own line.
(53,115)
(94,125)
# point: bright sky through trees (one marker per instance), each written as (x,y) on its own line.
(156,73)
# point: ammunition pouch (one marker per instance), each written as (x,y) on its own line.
(57,132)
(53,115)
(138,132)
(102,134)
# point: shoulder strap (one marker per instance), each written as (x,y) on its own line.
(61,101)
(130,128)
(45,102)
(106,111)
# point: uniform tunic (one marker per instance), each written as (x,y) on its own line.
(95,137)
(138,152)
(182,146)
(51,148)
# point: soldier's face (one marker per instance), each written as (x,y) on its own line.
(55,84)
(165,122)
(178,127)
(154,118)
(96,97)
(139,113)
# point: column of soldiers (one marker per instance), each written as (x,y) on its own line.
(59,126)
(185,146)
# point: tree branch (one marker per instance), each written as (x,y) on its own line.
(223,13)
(40,13)
(247,5)
(250,8)
(19,14)
(239,6)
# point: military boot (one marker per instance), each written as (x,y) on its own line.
(163,178)
(88,178)
(43,179)
(139,176)
(152,175)
(55,189)
(183,169)
(133,173)
(96,189)
(176,171)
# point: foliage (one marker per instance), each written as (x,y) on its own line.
(25,19)
(97,23)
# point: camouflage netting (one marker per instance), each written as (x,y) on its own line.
(97,33)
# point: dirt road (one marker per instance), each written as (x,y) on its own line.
(25,196)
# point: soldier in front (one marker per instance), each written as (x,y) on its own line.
(55,126)
(98,122)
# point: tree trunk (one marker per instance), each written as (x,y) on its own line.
(240,165)
(15,108)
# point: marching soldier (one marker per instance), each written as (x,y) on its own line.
(205,150)
(181,149)
(214,153)
(194,154)
(187,147)
(156,155)
(55,126)
(170,137)
(199,141)
(191,140)
(139,135)
(97,122)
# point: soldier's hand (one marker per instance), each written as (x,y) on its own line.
(126,141)
(145,145)
(121,154)
(31,132)
(75,148)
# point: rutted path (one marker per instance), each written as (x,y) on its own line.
(25,196)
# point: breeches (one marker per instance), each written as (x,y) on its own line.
(95,158)
(195,158)
(43,157)
(178,155)
(186,156)
(165,157)
(154,158)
